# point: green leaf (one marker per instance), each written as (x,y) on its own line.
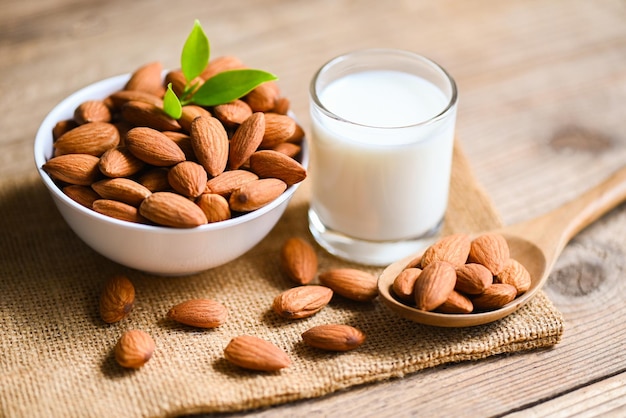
(230,85)
(171,104)
(195,55)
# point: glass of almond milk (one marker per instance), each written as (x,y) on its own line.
(381,153)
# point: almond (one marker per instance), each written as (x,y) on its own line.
(289,149)
(188,178)
(273,164)
(122,189)
(404,284)
(255,353)
(92,111)
(152,147)
(297,136)
(299,260)
(171,209)
(62,127)
(281,106)
(214,206)
(351,283)
(200,313)
(495,296)
(334,337)
(190,112)
(434,285)
(183,141)
(148,115)
(278,128)
(117,299)
(147,78)
(514,273)
(134,349)
(119,98)
(263,98)
(83,195)
(246,140)
(256,194)
(456,303)
(179,82)
(453,248)
(228,181)
(119,162)
(155,179)
(81,169)
(302,301)
(210,144)
(233,113)
(91,138)
(473,278)
(221,64)
(491,250)
(118,210)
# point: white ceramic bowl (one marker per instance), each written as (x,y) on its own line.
(153,249)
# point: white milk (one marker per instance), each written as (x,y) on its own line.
(385,176)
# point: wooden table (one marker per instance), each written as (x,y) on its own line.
(541,118)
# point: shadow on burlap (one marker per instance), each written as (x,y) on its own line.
(56,354)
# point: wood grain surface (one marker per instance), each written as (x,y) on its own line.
(541,118)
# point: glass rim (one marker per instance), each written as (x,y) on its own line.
(413,55)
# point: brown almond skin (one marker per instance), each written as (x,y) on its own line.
(122,189)
(353,284)
(404,284)
(183,140)
(233,113)
(334,337)
(274,164)
(119,162)
(91,138)
(190,112)
(199,313)
(117,299)
(118,98)
(147,78)
(214,206)
(188,178)
(256,194)
(62,127)
(491,250)
(179,82)
(453,248)
(84,195)
(153,147)
(514,273)
(81,169)
(148,115)
(278,129)
(229,181)
(134,349)
(289,149)
(246,140)
(495,296)
(155,179)
(456,303)
(434,285)
(254,353)
(221,64)
(263,98)
(472,278)
(92,111)
(299,260)
(209,140)
(173,210)
(118,210)
(302,301)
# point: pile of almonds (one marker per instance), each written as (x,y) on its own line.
(461,275)
(124,157)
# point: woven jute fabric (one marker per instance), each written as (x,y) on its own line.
(56,353)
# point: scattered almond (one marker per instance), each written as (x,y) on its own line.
(200,313)
(134,349)
(334,337)
(299,260)
(351,283)
(254,353)
(302,301)
(117,299)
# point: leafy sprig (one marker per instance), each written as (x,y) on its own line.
(222,88)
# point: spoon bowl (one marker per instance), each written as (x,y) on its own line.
(536,244)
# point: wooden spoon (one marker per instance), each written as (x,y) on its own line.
(536,243)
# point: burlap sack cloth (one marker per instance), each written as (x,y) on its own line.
(56,353)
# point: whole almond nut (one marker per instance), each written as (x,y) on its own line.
(246,140)
(334,337)
(148,115)
(117,299)
(171,209)
(256,194)
(210,144)
(92,111)
(404,284)
(298,260)
(289,149)
(472,278)
(190,112)
(273,164)
(233,113)
(297,136)
(229,181)
(183,141)
(147,78)
(350,283)
(155,179)
(302,301)
(456,303)
(119,162)
(179,82)
(91,138)
(152,147)
(495,296)
(134,349)
(281,106)
(434,285)
(514,273)
(278,128)
(81,169)
(491,250)
(254,353)
(214,206)
(83,195)
(62,127)
(263,97)
(119,98)
(188,178)
(453,248)
(221,64)
(118,210)
(199,313)
(122,189)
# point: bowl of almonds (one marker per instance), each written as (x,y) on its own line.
(160,174)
